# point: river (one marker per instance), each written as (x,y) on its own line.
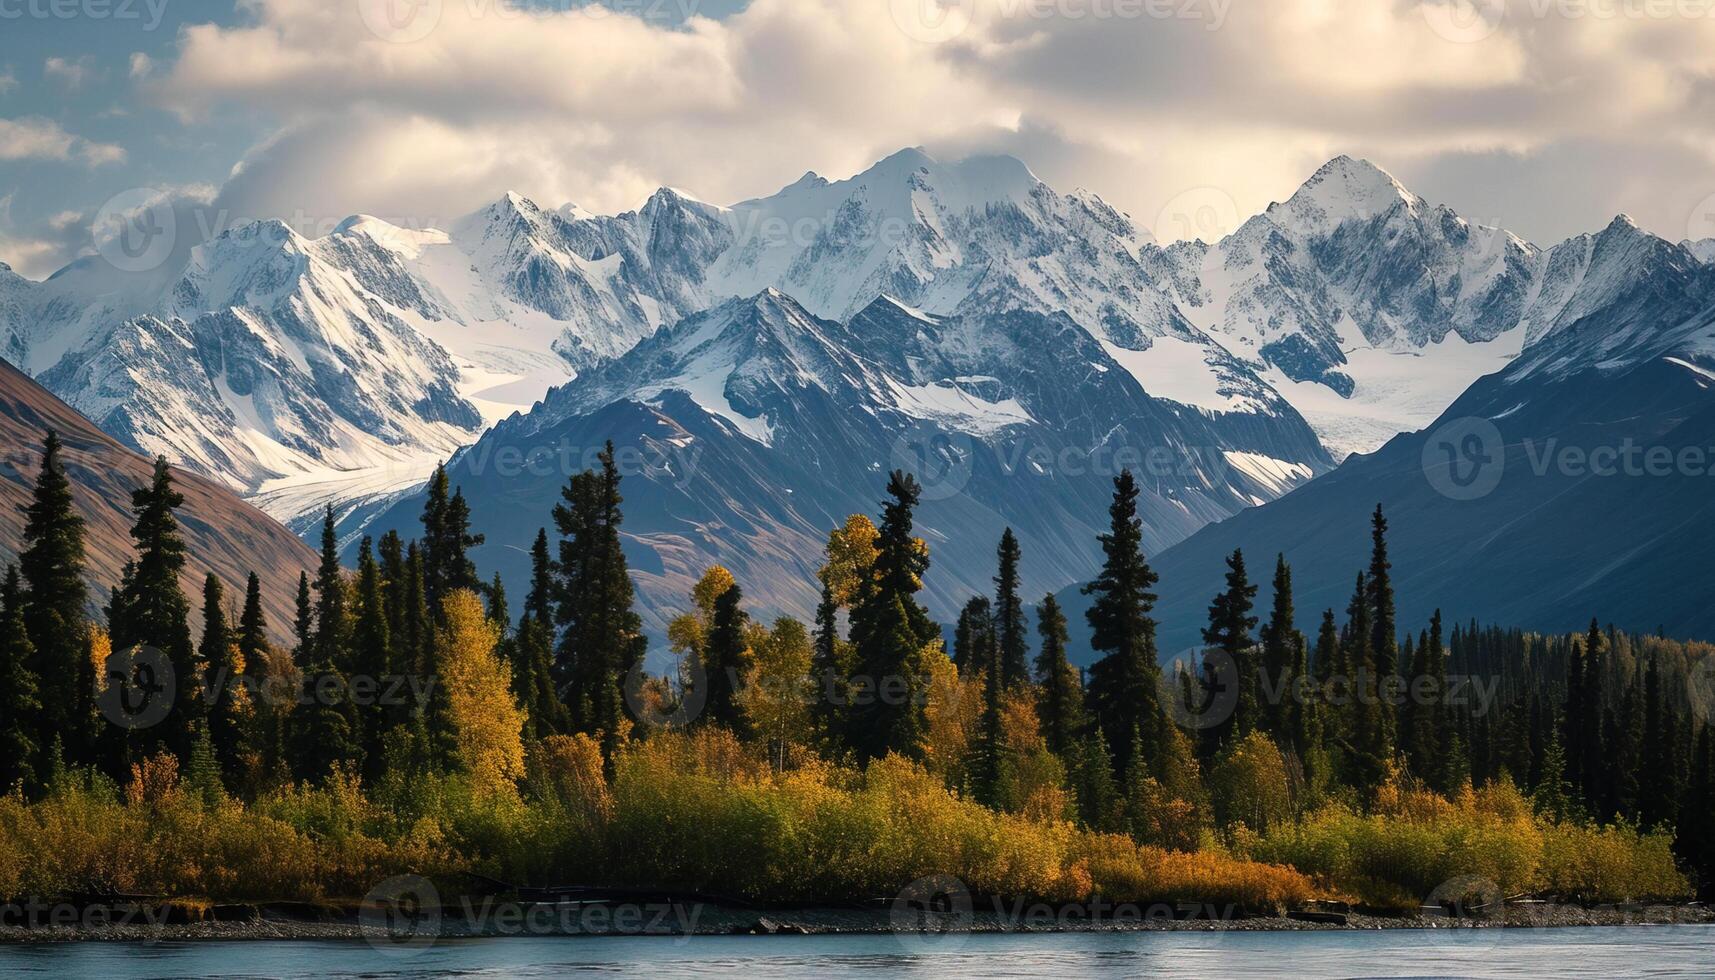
(1641,951)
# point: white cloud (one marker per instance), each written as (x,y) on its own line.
(1246,97)
(141,64)
(8,81)
(73,73)
(33,138)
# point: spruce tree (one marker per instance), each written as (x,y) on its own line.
(21,715)
(1384,635)
(602,636)
(1592,751)
(1422,737)
(974,636)
(304,621)
(889,631)
(499,612)
(371,657)
(1123,686)
(157,613)
(830,672)
(533,670)
(1280,644)
(1093,784)
(1659,789)
(1009,624)
(1229,633)
(51,561)
(333,618)
(253,628)
(723,661)
(446,543)
(988,764)
(229,708)
(1369,748)
(1060,694)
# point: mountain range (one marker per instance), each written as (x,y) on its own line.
(766,363)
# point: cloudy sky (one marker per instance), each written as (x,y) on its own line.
(1545,116)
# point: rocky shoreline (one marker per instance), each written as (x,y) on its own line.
(669,919)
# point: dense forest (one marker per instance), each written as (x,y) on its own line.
(417,725)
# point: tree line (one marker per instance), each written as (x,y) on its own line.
(1597,727)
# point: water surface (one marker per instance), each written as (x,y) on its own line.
(1639,951)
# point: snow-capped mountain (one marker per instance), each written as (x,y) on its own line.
(754,427)
(1366,307)
(1573,483)
(340,369)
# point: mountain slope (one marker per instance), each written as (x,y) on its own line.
(224,535)
(752,429)
(1579,521)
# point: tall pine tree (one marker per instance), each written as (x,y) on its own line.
(1009,623)
(51,562)
(1060,692)
(1123,686)
(889,631)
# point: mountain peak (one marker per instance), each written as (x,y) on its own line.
(1345,189)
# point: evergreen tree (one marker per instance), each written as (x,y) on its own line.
(990,742)
(253,628)
(1280,647)
(1552,795)
(498,610)
(157,613)
(1229,633)
(1123,687)
(1368,750)
(333,625)
(1009,624)
(1093,785)
(304,623)
(974,637)
(51,562)
(228,704)
(1060,695)
(602,636)
(371,656)
(1659,790)
(202,774)
(829,669)
(539,603)
(1425,716)
(21,715)
(1592,750)
(889,631)
(1384,633)
(447,542)
(724,661)
(533,676)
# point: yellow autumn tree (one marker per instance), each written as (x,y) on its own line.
(851,555)
(779,688)
(689,631)
(487,722)
(953,712)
